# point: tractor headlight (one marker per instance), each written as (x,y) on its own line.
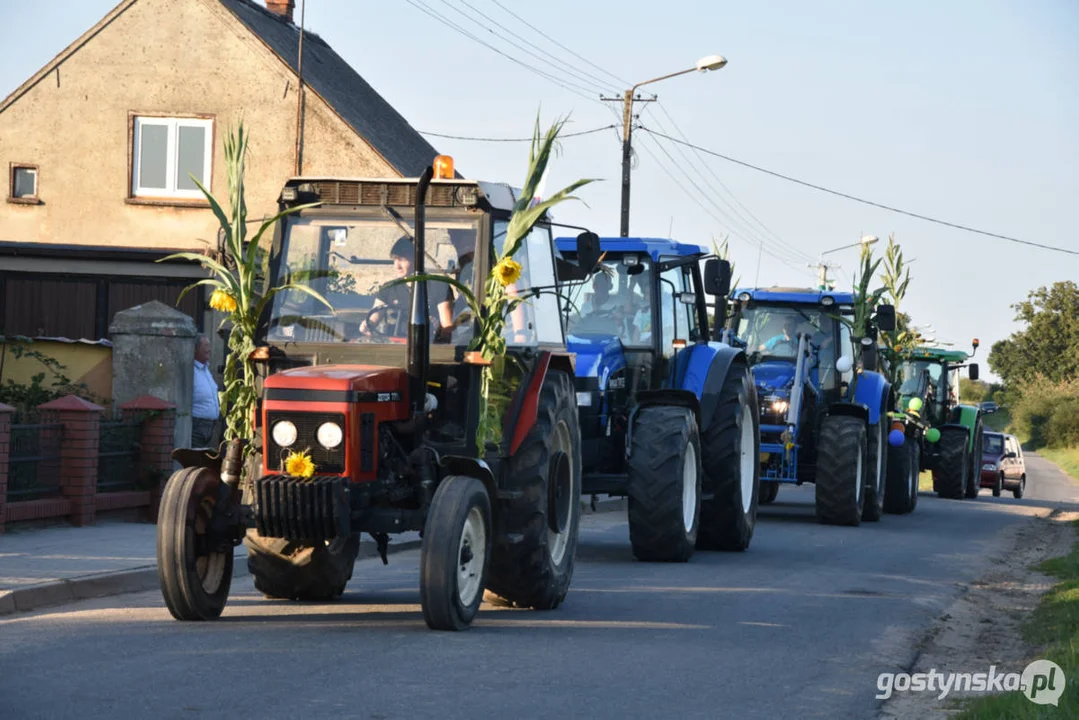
(743,297)
(284,433)
(780,406)
(330,435)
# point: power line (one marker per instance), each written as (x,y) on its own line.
(419,5)
(624,83)
(571,73)
(863,200)
(528,139)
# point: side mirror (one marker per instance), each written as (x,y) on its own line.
(1009,455)
(869,354)
(972,371)
(588,251)
(717,277)
(844,364)
(886,317)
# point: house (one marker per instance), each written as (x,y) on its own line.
(99,144)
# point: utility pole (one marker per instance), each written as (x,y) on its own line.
(627,101)
(822,276)
(300,99)
(705,64)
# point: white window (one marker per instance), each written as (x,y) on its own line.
(167,153)
(23,182)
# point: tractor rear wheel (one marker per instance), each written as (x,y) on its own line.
(455,553)
(536,545)
(195,568)
(878,471)
(664,484)
(841,470)
(901,494)
(974,477)
(732,468)
(952,467)
(769,491)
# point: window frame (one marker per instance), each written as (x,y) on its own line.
(170,195)
(34,199)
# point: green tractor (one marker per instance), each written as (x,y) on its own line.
(931,430)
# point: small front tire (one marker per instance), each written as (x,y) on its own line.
(455,553)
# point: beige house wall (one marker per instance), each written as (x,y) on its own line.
(161,57)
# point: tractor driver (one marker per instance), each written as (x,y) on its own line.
(399,297)
(786,342)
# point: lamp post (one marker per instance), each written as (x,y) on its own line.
(823,266)
(709,62)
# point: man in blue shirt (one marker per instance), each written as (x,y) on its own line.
(785,343)
(205,407)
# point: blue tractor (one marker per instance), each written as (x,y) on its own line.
(668,417)
(823,420)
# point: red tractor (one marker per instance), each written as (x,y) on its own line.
(383,397)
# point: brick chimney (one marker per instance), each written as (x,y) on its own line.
(283,8)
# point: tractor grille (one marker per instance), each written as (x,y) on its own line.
(301,509)
(307,424)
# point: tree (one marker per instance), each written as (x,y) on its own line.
(1048,345)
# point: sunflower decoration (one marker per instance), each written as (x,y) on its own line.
(508,271)
(223,301)
(299,464)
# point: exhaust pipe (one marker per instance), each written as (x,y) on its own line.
(419,343)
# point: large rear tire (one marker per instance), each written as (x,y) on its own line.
(732,468)
(194,568)
(901,494)
(535,547)
(841,470)
(295,570)
(664,484)
(975,472)
(455,554)
(952,467)
(875,494)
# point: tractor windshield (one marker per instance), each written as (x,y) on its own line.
(352,263)
(613,302)
(913,374)
(772,331)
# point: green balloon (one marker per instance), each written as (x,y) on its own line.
(932,435)
(915,404)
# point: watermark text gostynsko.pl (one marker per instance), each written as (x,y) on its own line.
(1041,682)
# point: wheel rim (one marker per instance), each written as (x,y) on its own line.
(209,567)
(558,542)
(859,479)
(471,556)
(748,459)
(689,488)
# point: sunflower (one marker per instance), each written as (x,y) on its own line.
(299,464)
(221,300)
(507,271)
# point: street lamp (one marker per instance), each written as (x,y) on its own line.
(866,241)
(706,63)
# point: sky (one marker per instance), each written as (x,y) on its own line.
(966,111)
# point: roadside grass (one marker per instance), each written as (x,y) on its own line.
(925,481)
(998,421)
(1066,458)
(1053,628)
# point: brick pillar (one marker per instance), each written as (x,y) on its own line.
(5,446)
(78,452)
(156,442)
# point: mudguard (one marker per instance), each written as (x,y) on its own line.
(857,410)
(702,369)
(525,403)
(869,391)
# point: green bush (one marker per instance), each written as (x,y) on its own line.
(1046,412)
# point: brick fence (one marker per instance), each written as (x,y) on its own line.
(75,464)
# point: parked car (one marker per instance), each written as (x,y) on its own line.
(989,407)
(1003,467)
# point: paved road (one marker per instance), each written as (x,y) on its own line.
(798,626)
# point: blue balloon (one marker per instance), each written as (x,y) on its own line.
(896,438)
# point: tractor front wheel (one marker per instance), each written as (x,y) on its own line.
(664,484)
(193,563)
(455,553)
(841,470)
(974,479)
(952,467)
(732,466)
(769,491)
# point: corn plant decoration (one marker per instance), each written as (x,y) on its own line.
(500,297)
(239,287)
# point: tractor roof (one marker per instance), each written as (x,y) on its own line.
(655,247)
(401,191)
(806,296)
(936,353)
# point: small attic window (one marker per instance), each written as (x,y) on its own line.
(22,186)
